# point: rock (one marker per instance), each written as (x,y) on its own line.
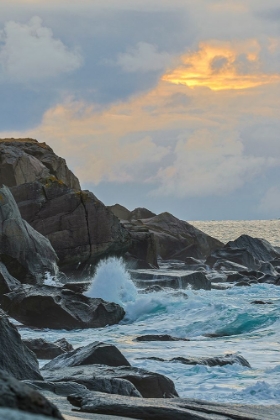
(268,278)
(92,354)
(44,349)
(181,280)
(109,386)
(27,160)
(141,213)
(16,395)
(163,337)
(242,283)
(123,213)
(152,289)
(11,414)
(78,287)
(177,408)
(238,256)
(51,307)
(260,249)
(149,384)
(26,254)
(142,250)
(120,212)
(64,345)
(177,239)
(224,265)
(7,282)
(80,228)
(235,277)
(228,359)
(15,358)
(261,302)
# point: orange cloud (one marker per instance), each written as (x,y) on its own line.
(222,65)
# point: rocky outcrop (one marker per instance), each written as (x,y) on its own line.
(176,239)
(179,409)
(7,282)
(15,358)
(27,160)
(26,254)
(92,354)
(149,384)
(51,307)
(179,280)
(16,395)
(45,350)
(124,214)
(80,228)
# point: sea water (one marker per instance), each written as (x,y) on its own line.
(250,330)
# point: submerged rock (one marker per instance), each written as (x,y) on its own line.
(51,307)
(16,395)
(162,337)
(149,384)
(15,358)
(94,353)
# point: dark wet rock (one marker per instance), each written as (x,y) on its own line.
(267,268)
(152,289)
(26,254)
(261,302)
(228,359)
(149,384)
(252,274)
(51,307)
(227,254)
(225,265)
(98,384)
(242,283)
(146,278)
(235,277)
(64,344)
(142,252)
(268,278)
(45,350)
(78,287)
(79,226)
(7,282)
(17,395)
(27,160)
(216,277)
(15,357)
(13,414)
(177,408)
(260,249)
(94,353)
(160,337)
(217,286)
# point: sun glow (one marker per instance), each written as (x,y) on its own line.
(222,66)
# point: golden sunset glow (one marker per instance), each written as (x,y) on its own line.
(222,66)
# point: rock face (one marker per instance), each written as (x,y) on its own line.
(15,358)
(177,239)
(50,307)
(149,384)
(46,350)
(26,254)
(92,354)
(177,408)
(26,160)
(16,395)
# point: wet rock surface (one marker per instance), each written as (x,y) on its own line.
(15,358)
(46,350)
(163,337)
(51,307)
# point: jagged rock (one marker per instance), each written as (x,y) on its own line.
(176,408)
(92,354)
(50,307)
(177,239)
(145,278)
(46,350)
(226,255)
(16,395)
(26,254)
(163,337)
(109,386)
(15,357)
(26,160)
(141,213)
(124,214)
(260,249)
(7,282)
(149,384)
(80,228)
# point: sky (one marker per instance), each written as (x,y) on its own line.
(172,105)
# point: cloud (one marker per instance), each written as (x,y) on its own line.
(144,58)
(270,203)
(29,52)
(222,65)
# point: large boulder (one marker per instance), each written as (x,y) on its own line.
(26,254)
(149,384)
(17,395)
(176,239)
(45,350)
(51,307)
(15,358)
(92,354)
(80,228)
(177,408)
(259,248)
(27,160)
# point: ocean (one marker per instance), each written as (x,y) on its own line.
(246,329)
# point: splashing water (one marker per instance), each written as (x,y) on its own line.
(112,282)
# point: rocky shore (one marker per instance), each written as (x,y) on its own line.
(51,229)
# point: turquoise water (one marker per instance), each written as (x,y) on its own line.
(244,328)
